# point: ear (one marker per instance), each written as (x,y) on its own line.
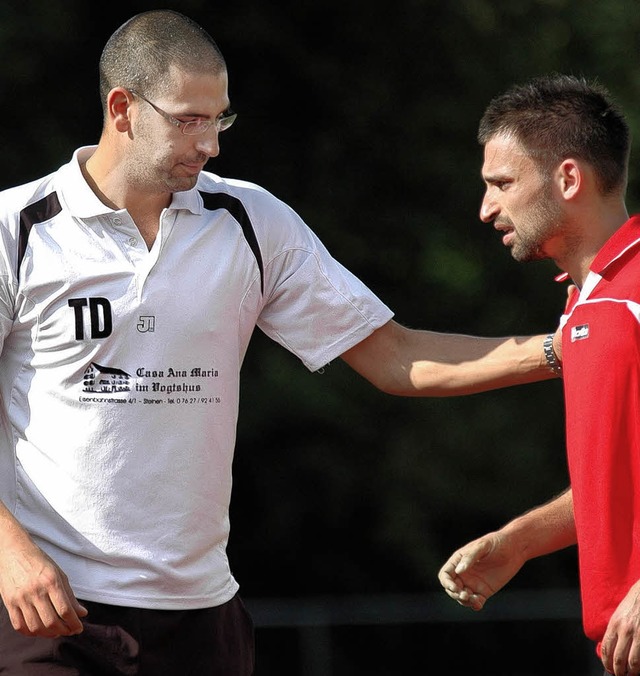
(570,177)
(119,102)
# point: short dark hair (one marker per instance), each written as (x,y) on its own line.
(139,53)
(558,116)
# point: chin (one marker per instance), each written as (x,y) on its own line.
(528,256)
(183,183)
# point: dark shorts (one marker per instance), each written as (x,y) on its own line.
(119,641)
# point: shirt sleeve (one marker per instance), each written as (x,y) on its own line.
(315,307)
(8,281)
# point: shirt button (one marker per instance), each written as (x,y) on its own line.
(117,221)
(132,241)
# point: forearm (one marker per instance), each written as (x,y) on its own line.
(12,535)
(407,362)
(544,529)
(468,364)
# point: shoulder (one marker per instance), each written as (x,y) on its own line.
(27,192)
(250,194)
(269,216)
(37,196)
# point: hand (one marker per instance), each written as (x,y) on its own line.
(621,642)
(479,569)
(36,592)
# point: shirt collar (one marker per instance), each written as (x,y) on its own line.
(627,237)
(84,203)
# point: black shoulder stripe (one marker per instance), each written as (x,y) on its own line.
(42,210)
(220,200)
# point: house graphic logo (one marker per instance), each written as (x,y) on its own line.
(105,380)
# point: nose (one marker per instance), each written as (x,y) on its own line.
(208,143)
(488,209)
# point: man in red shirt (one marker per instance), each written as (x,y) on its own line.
(555,167)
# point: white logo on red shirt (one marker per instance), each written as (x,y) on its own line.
(579,332)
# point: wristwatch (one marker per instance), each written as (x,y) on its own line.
(550,355)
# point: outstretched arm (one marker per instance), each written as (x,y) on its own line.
(35,592)
(479,569)
(407,362)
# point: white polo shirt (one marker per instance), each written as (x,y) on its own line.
(119,372)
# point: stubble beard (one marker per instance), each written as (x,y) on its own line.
(159,179)
(527,251)
(529,241)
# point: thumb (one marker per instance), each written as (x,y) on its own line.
(474,553)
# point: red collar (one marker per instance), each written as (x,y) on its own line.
(625,238)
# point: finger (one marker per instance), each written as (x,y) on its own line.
(606,651)
(464,601)
(30,620)
(48,615)
(447,575)
(79,609)
(69,611)
(450,583)
(633,659)
(621,657)
(472,556)
(453,594)
(468,599)
(458,595)
(606,661)
(477,601)
(18,621)
(474,602)
(471,599)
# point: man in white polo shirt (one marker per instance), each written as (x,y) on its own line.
(130,284)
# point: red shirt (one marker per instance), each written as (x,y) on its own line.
(601,363)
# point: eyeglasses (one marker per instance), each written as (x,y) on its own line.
(193,127)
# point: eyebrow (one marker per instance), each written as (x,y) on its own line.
(495,178)
(227,111)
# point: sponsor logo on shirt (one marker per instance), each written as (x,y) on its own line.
(579,332)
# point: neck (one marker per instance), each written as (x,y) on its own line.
(594,228)
(145,209)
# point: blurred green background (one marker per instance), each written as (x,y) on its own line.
(362,116)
